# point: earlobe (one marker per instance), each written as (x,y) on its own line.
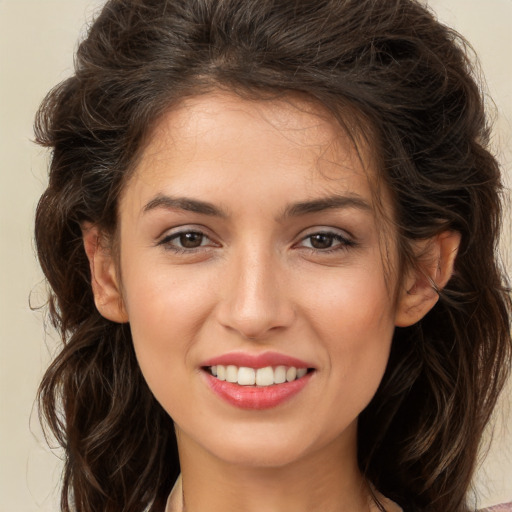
(104,279)
(420,288)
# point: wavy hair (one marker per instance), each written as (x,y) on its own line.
(405,75)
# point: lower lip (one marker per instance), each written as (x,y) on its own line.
(255,397)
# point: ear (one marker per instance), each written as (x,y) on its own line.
(421,286)
(104,279)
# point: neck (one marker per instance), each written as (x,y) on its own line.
(327,480)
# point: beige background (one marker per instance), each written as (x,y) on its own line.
(37,39)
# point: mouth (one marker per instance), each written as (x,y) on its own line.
(256,381)
(259,377)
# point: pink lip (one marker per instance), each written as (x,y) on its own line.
(254,397)
(256,360)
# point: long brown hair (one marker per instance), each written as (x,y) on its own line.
(411,80)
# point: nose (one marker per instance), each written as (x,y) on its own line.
(255,301)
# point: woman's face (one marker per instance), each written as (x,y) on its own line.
(249,239)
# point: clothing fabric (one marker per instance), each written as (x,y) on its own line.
(175,502)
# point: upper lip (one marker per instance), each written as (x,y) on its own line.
(256,360)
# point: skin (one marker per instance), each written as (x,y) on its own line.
(258,281)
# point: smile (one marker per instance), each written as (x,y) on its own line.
(256,381)
(246,376)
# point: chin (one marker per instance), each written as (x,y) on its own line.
(271,445)
(259,456)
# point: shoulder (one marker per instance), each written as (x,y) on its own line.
(504,507)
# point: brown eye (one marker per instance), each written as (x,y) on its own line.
(326,242)
(186,241)
(191,240)
(321,241)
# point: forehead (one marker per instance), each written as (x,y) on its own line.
(213,142)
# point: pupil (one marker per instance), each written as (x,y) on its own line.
(321,241)
(191,240)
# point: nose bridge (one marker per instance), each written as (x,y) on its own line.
(256,302)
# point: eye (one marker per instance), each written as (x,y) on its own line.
(326,241)
(321,240)
(190,240)
(185,241)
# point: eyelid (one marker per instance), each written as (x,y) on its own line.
(327,230)
(344,238)
(171,234)
(171,230)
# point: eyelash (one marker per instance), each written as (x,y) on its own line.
(166,242)
(344,243)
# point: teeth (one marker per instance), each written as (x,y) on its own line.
(267,376)
(301,372)
(231,373)
(291,373)
(246,376)
(221,372)
(280,374)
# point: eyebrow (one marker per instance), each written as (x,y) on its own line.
(184,203)
(326,203)
(292,210)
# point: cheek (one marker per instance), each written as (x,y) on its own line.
(163,300)
(354,316)
(166,310)
(350,303)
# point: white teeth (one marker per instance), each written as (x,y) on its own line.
(221,372)
(267,376)
(231,373)
(291,373)
(280,374)
(246,376)
(301,372)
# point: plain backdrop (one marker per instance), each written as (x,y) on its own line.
(37,40)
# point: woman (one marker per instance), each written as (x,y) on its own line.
(270,234)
